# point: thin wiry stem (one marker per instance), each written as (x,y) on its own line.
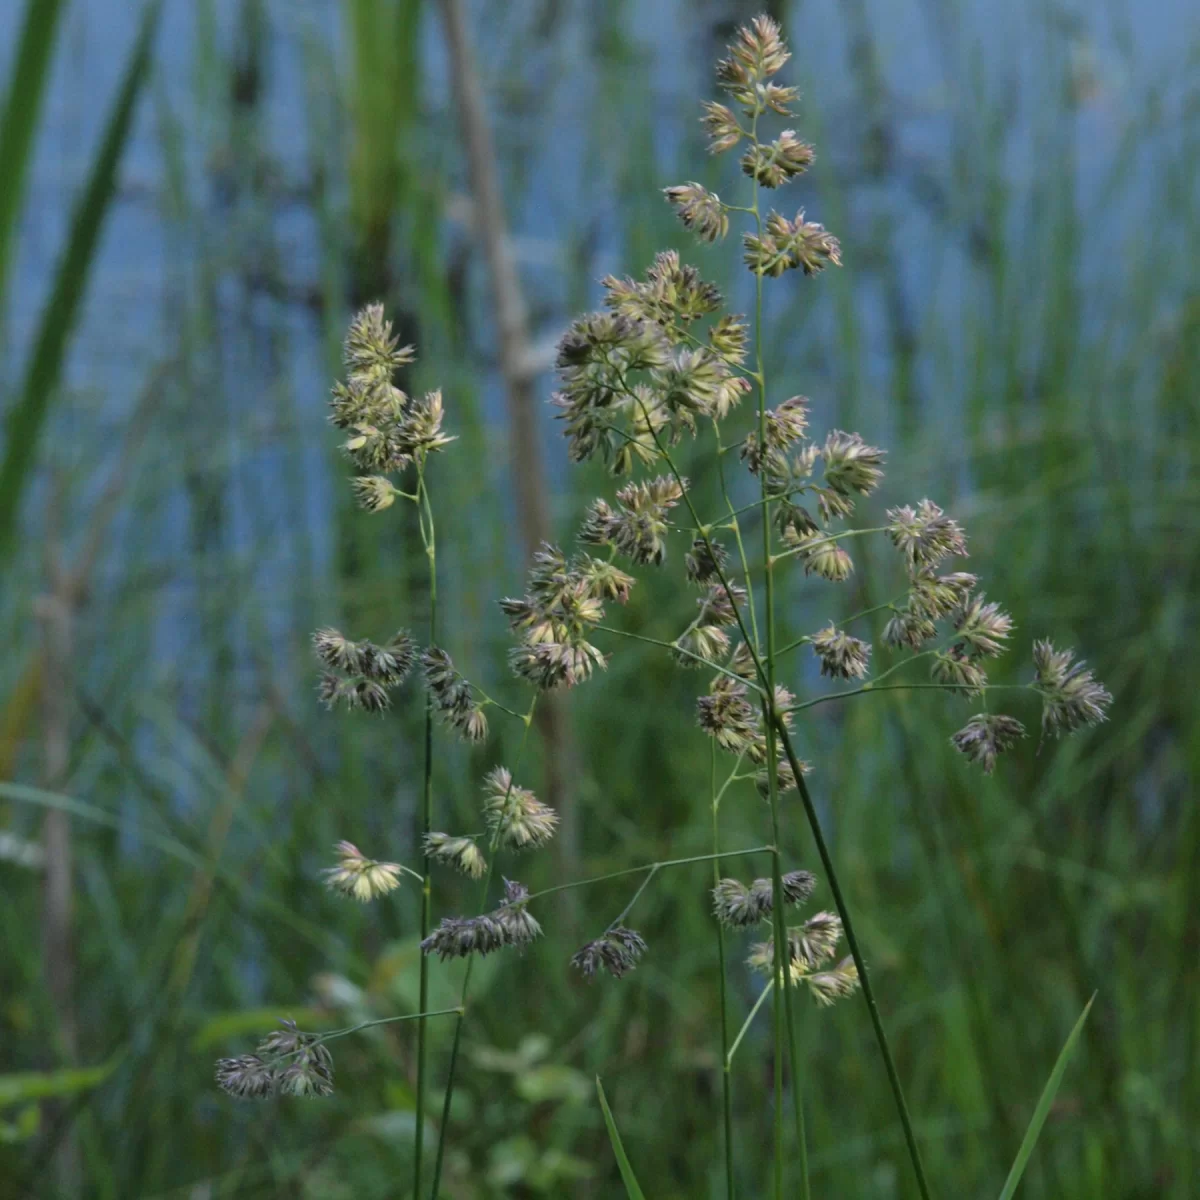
(737,1041)
(654,866)
(462,1003)
(726,1081)
(737,536)
(428,537)
(320,1039)
(782,1004)
(638,637)
(839,900)
(866,612)
(868,688)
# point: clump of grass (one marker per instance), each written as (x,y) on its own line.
(661,363)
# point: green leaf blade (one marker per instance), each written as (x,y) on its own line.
(1042,1111)
(632,1188)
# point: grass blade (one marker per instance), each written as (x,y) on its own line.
(28,413)
(21,112)
(632,1190)
(1043,1106)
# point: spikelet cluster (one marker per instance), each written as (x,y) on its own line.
(811,947)
(385,429)
(739,906)
(509,925)
(361,674)
(461,853)
(361,878)
(288,1062)
(517,819)
(452,697)
(563,603)
(617,951)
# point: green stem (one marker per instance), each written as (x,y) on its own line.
(428,537)
(726,1081)
(827,540)
(737,1041)
(654,866)
(462,1003)
(638,637)
(851,939)
(904,687)
(784,1023)
(349,1029)
(737,536)
(866,612)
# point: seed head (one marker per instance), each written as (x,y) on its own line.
(774,163)
(726,715)
(700,644)
(851,466)
(728,338)
(722,126)
(374,492)
(461,853)
(739,906)
(785,777)
(827,987)
(370,351)
(616,951)
(786,245)
(1071,695)
(360,877)
(955,670)
(936,596)
(982,627)
(452,696)
(514,814)
(823,556)
(308,1066)
(925,534)
(246,1077)
(700,210)
(841,656)
(706,561)
(908,628)
(756,54)
(986,735)
(517,924)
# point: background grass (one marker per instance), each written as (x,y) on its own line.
(1018,321)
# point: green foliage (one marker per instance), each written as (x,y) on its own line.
(27,411)
(632,1189)
(1043,382)
(1042,1111)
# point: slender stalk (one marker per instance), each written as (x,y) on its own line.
(737,535)
(654,866)
(851,939)
(638,637)
(782,1004)
(737,1041)
(425,511)
(865,612)
(462,1003)
(904,687)
(422,1017)
(726,1081)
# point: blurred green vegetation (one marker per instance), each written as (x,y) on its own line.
(1018,321)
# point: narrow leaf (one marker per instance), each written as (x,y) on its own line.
(632,1190)
(28,412)
(38,1085)
(31,73)
(1043,1106)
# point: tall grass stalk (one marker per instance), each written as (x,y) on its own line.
(429,541)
